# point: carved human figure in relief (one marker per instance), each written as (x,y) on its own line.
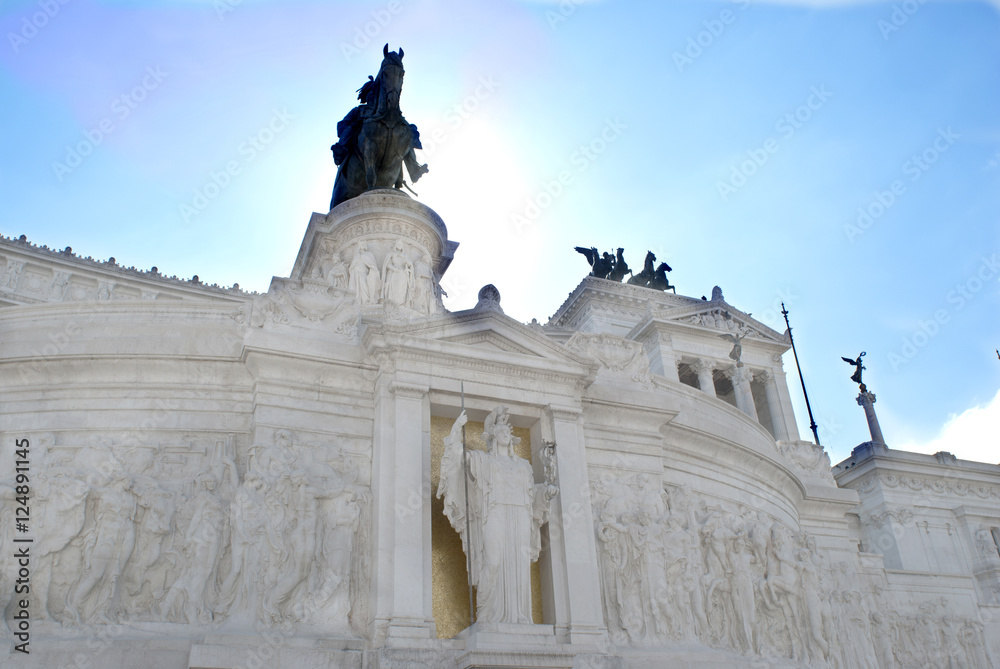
(331,267)
(506,510)
(424,290)
(58,290)
(365,280)
(397,277)
(107,545)
(9,282)
(189,597)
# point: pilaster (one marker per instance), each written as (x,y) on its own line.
(401,476)
(576,581)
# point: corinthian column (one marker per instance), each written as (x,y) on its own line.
(744,396)
(867,400)
(703,368)
(774,406)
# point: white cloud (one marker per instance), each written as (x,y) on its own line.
(973,434)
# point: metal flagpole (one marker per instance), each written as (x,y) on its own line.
(812,423)
(468,525)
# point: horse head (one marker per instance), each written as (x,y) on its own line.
(648,264)
(389,82)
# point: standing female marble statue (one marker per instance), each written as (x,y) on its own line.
(423,292)
(502,501)
(364,280)
(397,277)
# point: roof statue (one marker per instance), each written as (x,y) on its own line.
(858,367)
(375,141)
(652,275)
(614,268)
(601,266)
(737,340)
(660,281)
(620,268)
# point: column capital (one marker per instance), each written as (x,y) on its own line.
(411,390)
(866,396)
(742,375)
(564,413)
(702,365)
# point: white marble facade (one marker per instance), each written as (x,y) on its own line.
(222,479)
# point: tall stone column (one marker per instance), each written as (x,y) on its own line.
(867,400)
(774,406)
(576,593)
(704,368)
(741,377)
(401,488)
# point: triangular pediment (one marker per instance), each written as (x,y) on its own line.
(488,334)
(718,315)
(492,340)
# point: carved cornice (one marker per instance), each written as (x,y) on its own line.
(938,486)
(66,260)
(611,297)
(511,374)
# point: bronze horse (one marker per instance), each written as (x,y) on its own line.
(375,141)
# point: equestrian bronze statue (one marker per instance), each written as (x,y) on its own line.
(375,141)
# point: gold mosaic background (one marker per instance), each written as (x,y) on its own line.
(450,578)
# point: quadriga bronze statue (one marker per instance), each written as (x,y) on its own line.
(375,141)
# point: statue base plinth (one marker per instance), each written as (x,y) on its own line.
(512,645)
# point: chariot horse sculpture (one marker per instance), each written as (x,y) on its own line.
(374,140)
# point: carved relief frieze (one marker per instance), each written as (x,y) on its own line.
(808,459)
(393,228)
(681,568)
(129,532)
(938,486)
(10,278)
(877,520)
(310,301)
(620,359)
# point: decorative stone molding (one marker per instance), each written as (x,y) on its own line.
(410,390)
(71,266)
(938,486)
(621,360)
(900,516)
(808,460)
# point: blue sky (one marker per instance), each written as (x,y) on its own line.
(841,157)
